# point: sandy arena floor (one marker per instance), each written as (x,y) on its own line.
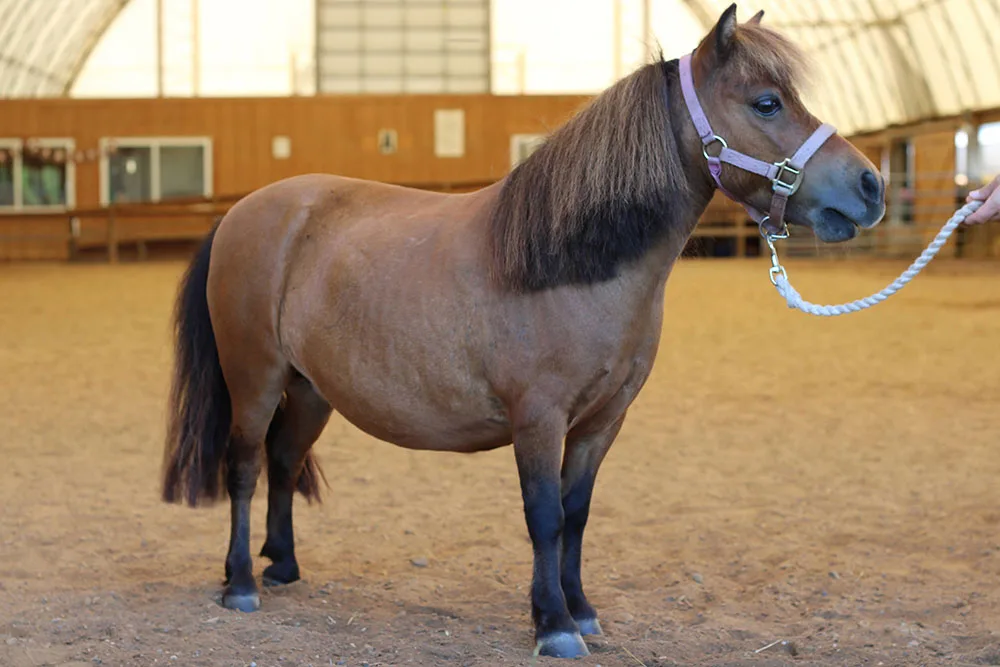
(829,485)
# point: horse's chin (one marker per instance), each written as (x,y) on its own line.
(831,226)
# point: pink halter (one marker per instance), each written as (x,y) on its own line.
(785,176)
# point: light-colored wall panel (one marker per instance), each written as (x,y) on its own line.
(384,35)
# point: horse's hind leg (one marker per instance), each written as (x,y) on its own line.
(255,394)
(297,425)
(583,456)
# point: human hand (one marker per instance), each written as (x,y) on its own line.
(990,196)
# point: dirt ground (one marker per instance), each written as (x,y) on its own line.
(787,490)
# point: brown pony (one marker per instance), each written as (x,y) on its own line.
(528,312)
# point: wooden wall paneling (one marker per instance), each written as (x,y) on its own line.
(338,134)
(334,134)
(35,238)
(328,134)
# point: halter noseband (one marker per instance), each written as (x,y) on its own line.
(785,176)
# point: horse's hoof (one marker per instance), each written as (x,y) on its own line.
(273,582)
(563,645)
(279,575)
(590,627)
(245,602)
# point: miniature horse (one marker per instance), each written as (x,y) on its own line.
(526,313)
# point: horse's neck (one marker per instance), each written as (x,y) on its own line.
(651,271)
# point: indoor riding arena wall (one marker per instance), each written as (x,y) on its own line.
(341,134)
(326,134)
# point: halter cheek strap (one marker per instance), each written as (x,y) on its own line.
(785,176)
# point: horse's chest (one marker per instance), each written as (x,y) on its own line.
(611,390)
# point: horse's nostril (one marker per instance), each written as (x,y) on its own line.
(871,187)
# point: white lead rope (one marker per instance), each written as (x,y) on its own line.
(779,277)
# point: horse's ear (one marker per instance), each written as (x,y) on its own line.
(725,30)
(757,17)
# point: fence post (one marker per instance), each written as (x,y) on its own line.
(112,235)
(74,235)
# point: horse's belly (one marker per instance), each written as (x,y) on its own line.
(415,424)
(418,400)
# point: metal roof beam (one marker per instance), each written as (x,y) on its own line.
(93,39)
(881,22)
(702,13)
(23,66)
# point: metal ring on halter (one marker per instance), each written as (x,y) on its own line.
(715,138)
(769,235)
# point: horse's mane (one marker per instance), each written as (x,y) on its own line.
(607,185)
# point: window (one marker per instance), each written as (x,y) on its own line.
(902,177)
(37,175)
(961,158)
(155,168)
(46,173)
(8,175)
(988,136)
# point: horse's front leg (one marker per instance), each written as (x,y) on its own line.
(585,450)
(538,450)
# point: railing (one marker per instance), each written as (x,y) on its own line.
(139,223)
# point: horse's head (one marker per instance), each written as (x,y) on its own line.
(746,78)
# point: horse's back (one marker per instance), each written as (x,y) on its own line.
(269,234)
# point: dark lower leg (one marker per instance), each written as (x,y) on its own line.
(241,589)
(576,507)
(297,424)
(544,516)
(280,543)
(537,453)
(584,453)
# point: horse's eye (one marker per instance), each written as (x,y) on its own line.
(767,106)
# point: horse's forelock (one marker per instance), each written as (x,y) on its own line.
(762,53)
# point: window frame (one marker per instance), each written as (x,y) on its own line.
(154,144)
(14,146)
(67,144)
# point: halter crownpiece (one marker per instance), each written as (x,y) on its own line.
(785,176)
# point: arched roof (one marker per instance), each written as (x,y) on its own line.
(45,43)
(877,62)
(884,62)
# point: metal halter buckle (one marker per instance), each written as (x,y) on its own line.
(769,235)
(783,168)
(715,138)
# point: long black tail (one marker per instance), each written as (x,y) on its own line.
(200,413)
